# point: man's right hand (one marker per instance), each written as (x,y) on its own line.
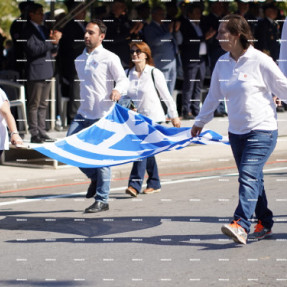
(55,36)
(195,131)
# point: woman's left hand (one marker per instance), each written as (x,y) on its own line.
(115,95)
(16,140)
(176,122)
(277,101)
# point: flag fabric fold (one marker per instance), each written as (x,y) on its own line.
(120,137)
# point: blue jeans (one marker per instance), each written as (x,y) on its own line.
(138,172)
(251,151)
(101,175)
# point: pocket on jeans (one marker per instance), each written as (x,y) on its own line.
(263,133)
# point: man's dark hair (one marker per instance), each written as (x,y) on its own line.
(34,7)
(101,25)
(24,5)
(193,6)
(156,9)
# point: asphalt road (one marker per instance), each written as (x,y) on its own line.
(171,238)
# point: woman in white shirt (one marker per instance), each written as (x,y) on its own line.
(147,84)
(246,78)
(6,118)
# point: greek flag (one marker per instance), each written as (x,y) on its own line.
(121,137)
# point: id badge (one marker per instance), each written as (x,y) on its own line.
(243,77)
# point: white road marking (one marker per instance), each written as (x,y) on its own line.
(122,188)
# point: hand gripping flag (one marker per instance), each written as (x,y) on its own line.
(120,137)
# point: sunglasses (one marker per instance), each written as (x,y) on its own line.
(138,51)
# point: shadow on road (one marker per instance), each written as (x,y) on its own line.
(92,230)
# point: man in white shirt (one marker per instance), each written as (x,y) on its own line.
(102,81)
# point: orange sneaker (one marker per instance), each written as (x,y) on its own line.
(260,232)
(150,190)
(132,191)
(235,231)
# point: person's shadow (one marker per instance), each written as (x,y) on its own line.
(92,230)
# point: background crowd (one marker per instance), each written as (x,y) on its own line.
(181,36)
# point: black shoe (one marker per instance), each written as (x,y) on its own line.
(46,138)
(219,115)
(188,117)
(92,189)
(97,206)
(36,139)
(280,109)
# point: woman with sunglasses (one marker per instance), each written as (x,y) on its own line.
(146,89)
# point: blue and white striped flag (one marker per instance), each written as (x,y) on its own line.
(120,137)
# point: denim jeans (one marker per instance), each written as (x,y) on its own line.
(251,151)
(138,172)
(101,175)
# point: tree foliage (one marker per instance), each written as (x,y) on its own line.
(8,12)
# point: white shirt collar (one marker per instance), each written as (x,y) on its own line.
(96,50)
(247,54)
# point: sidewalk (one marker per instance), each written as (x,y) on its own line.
(192,158)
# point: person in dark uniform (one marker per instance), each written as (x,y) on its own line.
(120,31)
(253,16)
(71,46)
(242,7)
(214,50)
(143,12)
(194,60)
(16,29)
(268,33)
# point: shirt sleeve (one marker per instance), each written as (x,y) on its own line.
(274,79)
(119,75)
(161,86)
(36,48)
(212,100)
(3,97)
(282,62)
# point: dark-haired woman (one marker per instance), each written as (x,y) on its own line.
(146,89)
(246,78)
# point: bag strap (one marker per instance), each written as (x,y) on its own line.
(128,72)
(152,76)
